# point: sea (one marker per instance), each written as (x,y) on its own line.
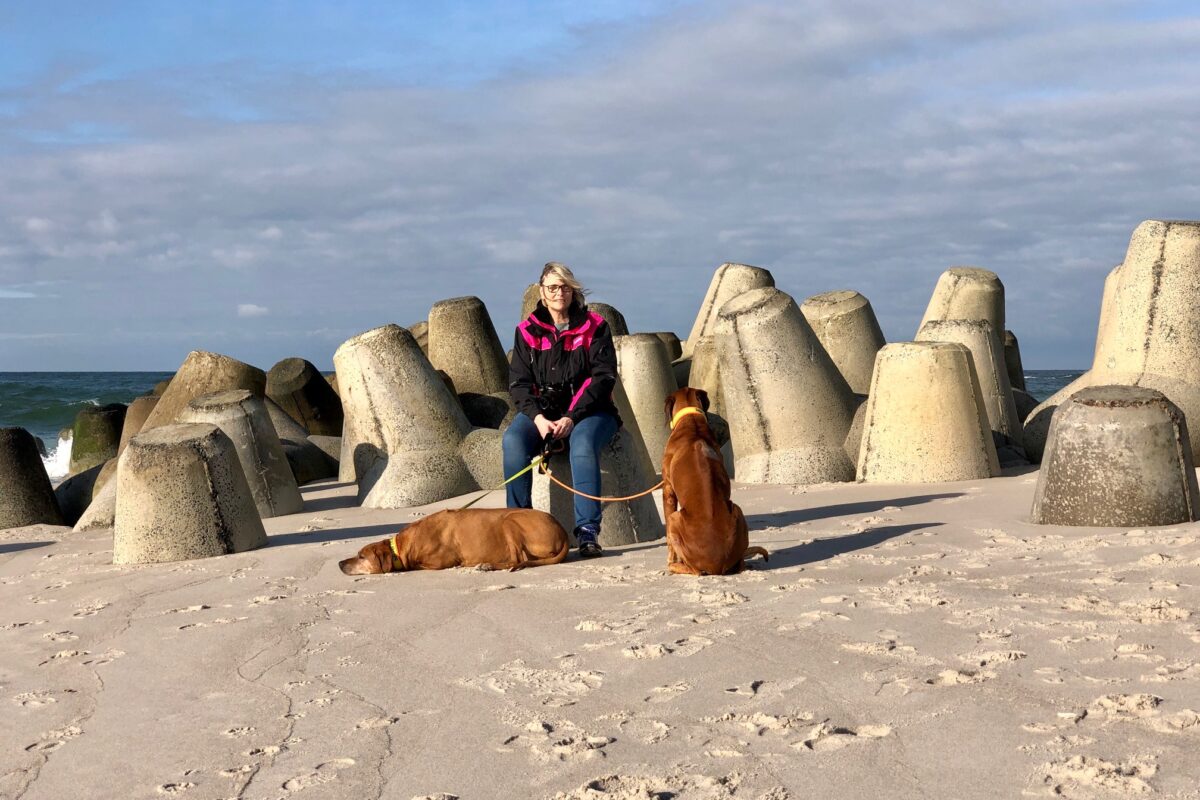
(45,403)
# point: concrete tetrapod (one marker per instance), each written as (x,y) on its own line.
(26,497)
(96,435)
(243,418)
(302,391)
(1012,361)
(463,344)
(1117,456)
(204,373)
(181,494)
(990,370)
(845,323)
(403,426)
(925,420)
(1149,331)
(727,282)
(623,472)
(788,407)
(135,418)
(967,293)
(674,346)
(645,368)
(615,319)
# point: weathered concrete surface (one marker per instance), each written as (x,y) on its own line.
(789,408)
(704,372)
(403,426)
(727,282)
(615,319)
(96,435)
(645,368)
(623,472)
(1149,331)
(75,494)
(483,452)
(420,332)
(674,346)
(204,373)
(135,417)
(529,300)
(181,494)
(303,393)
(967,293)
(925,420)
(494,410)
(1012,361)
(845,324)
(108,471)
(463,344)
(243,418)
(1117,456)
(102,511)
(987,356)
(26,497)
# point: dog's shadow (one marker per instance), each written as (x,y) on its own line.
(832,546)
(784,518)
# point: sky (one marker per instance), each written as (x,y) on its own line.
(267,180)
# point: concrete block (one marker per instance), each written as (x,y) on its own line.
(1117,456)
(182,494)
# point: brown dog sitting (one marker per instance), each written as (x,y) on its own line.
(706,532)
(500,538)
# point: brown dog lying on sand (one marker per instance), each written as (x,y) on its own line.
(706,532)
(501,538)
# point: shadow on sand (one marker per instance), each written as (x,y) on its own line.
(827,548)
(334,535)
(16,547)
(785,518)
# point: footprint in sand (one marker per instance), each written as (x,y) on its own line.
(760,723)
(237,733)
(107,657)
(826,737)
(188,609)
(1124,706)
(91,609)
(687,646)
(374,723)
(561,741)
(1081,776)
(52,740)
(12,626)
(958,677)
(64,655)
(172,789)
(33,699)
(322,773)
(317,524)
(748,689)
(647,731)
(60,636)
(665,694)
(269,751)
(438,796)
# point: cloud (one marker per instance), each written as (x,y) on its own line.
(15,294)
(860,145)
(251,310)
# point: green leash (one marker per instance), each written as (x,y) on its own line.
(537,460)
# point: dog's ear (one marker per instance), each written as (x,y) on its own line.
(703,396)
(670,407)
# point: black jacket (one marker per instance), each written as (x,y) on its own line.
(571,373)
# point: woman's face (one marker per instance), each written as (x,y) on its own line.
(556,295)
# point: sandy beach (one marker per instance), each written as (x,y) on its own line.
(918,641)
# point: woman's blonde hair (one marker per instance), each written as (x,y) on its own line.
(564,274)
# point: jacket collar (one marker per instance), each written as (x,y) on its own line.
(577,317)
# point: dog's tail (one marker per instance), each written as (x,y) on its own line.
(757,551)
(557,557)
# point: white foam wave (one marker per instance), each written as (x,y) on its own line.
(58,460)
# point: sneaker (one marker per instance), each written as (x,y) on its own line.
(587,536)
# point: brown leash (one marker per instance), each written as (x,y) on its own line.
(544,468)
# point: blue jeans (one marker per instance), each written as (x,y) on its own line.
(522,442)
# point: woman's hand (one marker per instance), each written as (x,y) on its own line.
(544,426)
(563,427)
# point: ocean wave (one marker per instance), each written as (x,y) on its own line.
(58,460)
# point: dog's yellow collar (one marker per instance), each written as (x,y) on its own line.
(392,542)
(683,412)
